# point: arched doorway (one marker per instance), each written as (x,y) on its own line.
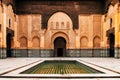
(111,44)
(59,47)
(9,41)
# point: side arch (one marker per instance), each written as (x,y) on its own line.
(35,42)
(84,42)
(23,42)
(96,42)
(23,45)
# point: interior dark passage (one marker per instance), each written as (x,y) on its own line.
(8,42)
(59,47)
(59,52)
(112,42)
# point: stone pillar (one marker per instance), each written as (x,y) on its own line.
(116,15)
(3,54)
(15,36)
(16,40)
(1,34)
(117,44)
(104,50)
(42,45)
(29,35)
(77,42)
(42,42)
(90,35)
(77,46)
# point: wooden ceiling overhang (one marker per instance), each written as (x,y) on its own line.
(48,7)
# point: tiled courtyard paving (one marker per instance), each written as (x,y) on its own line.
(56,79)
(112,64)
(12,66)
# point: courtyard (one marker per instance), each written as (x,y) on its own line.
(10,69)
(59,39)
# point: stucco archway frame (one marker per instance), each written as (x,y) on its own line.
(60,34)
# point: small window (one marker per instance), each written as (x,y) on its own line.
(0,28)
(51,24)
(62,24)
(9,22)
(111,22)
(57,25)
(15,17)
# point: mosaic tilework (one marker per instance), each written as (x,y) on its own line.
(50,53)
(2,53)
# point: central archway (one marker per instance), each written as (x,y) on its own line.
(60,47)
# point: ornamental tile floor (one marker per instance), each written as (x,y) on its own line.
(12,66)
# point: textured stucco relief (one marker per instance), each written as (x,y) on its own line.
(36,22)
(36,30)
(23,42)
(23,25)
(60,20)
(84,25)
(10,17)
(96,25)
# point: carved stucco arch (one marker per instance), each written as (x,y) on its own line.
(33,36)
(23,41)
(60,34)
(96,41)
(21,36)
(85,44)
(36,42)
